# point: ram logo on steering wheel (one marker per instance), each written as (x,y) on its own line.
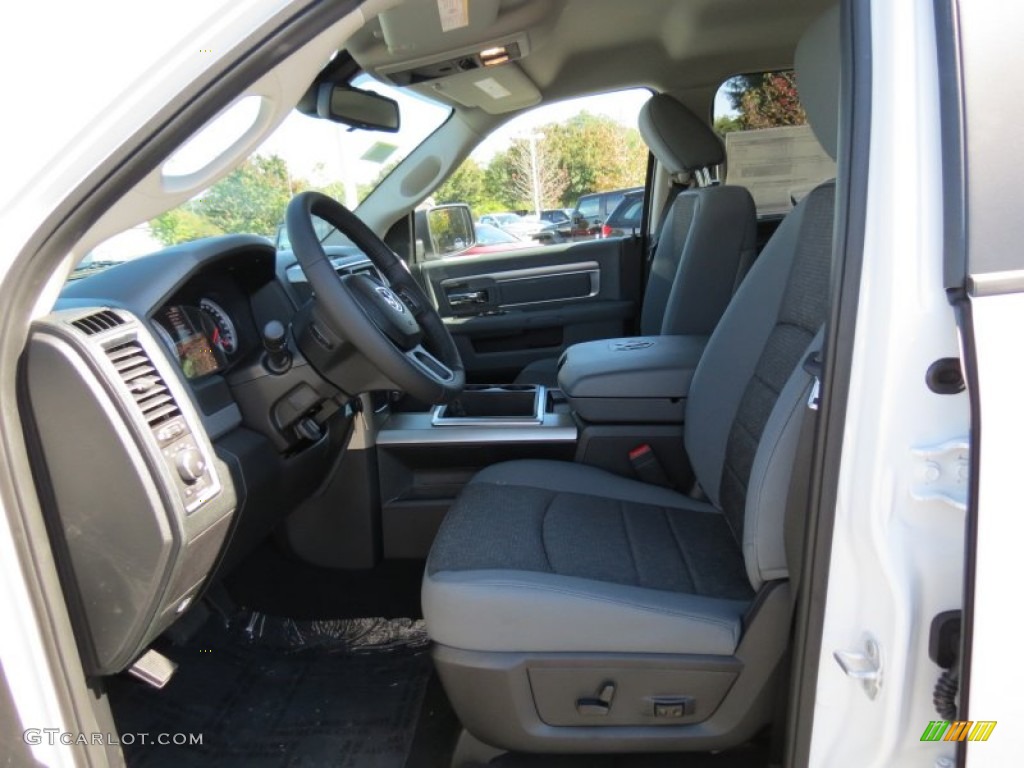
(393,301)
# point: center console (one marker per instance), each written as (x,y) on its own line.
(639,380)
(614,396)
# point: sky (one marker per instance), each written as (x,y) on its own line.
(322,152)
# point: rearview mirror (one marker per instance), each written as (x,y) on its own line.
(356,107)
(448,230)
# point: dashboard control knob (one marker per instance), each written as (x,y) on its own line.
(190,465)
(275,341)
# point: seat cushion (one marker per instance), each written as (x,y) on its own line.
(552,556)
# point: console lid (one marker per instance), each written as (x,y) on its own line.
(635,380)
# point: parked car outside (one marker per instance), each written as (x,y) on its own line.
(593,209)
(491,239)
(526,226)
(626,218)
(501,219)
(557,216)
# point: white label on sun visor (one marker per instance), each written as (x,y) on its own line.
(493,88)
(454,14)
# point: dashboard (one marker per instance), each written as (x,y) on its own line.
(208,325)
(171,447)
(199,337)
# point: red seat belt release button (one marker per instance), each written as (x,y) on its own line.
(647,467)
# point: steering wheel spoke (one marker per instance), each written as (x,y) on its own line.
(390,325)
(429,364)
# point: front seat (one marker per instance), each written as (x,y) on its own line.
(573,610)
(706,242)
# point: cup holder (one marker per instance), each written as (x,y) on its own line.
(493,405)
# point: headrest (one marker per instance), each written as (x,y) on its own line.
(680,140)
(817,78)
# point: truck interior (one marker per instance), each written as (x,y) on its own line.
(349,503)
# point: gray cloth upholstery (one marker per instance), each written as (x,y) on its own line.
(543,372)
(524,611)
(605,551)
(764,529)
(706,247)
(578,531)
(801,313)
(735,349)
(680,140)
(706,244)
(550,557)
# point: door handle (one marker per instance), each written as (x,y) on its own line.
(466,298)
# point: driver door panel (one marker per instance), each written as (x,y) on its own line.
(506,310)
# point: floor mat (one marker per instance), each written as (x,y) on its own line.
(271,692)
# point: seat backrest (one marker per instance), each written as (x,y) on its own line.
(708,238)
(735,417)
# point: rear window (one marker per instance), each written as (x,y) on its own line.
(589,206)
(631,211)
(771,149)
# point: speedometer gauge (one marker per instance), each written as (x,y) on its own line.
(224,335)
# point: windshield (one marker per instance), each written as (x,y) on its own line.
(303,153)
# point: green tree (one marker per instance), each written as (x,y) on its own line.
(252,199)
(726,124)
(498,186)
(587,153)
(767,100)
(181,225)
(465,185)
(597,153)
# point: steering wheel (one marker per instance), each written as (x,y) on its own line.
(394,326)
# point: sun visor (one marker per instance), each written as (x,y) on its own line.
(495,89)
(457,22)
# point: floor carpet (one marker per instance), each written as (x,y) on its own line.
(270,692)
(279,584)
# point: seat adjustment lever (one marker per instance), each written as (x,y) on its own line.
(597,706)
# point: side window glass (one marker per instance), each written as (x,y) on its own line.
(538,177)
(771,149)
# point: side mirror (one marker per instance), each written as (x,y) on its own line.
(446,230)
(356,107)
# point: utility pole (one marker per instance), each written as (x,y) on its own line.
(533,138)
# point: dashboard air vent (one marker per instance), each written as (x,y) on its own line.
(144,382)
(103,320)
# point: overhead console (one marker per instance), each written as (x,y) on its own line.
(140,504)
(463,53)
